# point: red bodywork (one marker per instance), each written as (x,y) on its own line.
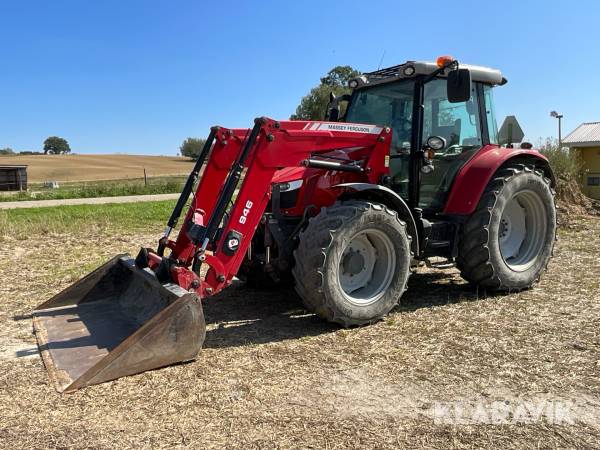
(277,156)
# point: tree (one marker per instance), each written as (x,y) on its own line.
(56,145)
(314,105)
(192,147)
(6,151)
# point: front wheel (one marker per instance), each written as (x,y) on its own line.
(352,262)
(507,242)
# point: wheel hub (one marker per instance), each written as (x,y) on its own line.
(353,262)
(366,266)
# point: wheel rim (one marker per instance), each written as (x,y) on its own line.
(522,230)
(367,267)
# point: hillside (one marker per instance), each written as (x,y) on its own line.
(97,167)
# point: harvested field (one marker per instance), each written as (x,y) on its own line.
(273,376)
(98,167)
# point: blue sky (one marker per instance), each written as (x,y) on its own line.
(140,76)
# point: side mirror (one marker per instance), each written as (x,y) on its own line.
(459,85)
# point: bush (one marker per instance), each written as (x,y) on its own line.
(566,165)
(192,147)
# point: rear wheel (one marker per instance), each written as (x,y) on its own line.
(507,242)
(352,262)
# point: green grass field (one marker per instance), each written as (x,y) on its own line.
(131,217)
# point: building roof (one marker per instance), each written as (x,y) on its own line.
(13,166)
(587,134)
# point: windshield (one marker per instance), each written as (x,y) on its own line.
(387,105)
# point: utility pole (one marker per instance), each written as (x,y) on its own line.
(558,116)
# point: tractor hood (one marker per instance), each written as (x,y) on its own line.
(289,174)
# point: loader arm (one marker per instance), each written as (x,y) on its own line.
(217,234)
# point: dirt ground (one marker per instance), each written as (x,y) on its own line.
(97,167)
(438,372)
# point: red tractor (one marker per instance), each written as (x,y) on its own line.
(342,209)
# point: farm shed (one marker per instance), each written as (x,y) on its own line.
(584,143)
(13,178)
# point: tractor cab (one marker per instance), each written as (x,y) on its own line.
(440,113)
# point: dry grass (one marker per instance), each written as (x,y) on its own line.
(98,167)
(272,376)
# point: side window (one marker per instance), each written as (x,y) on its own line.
(491,114)
(458,123)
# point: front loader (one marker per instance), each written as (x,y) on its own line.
(342,209)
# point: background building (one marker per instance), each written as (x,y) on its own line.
(13,178)
(584,143)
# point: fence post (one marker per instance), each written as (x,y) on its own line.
(145,178)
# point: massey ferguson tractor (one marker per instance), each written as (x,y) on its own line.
(342,209)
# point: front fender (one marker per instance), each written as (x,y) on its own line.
(389,198)
(471,180)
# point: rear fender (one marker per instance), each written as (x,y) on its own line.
(471,180)
(382,194)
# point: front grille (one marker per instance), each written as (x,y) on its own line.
(288,199)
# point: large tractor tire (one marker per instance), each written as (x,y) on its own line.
(352,262)
(507,242)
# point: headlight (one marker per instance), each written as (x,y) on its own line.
(436,142)
(290,185)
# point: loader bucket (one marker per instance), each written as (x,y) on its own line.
(119,320)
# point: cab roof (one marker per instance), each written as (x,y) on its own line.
(411,69)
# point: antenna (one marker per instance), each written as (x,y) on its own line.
(381,60)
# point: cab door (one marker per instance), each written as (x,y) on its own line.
(460,125)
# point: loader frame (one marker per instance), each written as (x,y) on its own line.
(218,236)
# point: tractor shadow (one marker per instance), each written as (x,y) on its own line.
(437,288)
(243,316)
